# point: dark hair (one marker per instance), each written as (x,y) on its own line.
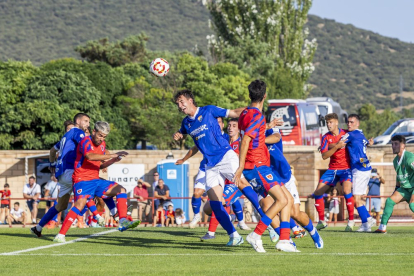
(331,116)
(6,185)
(234,120)
(68,123)
(32,177)
(17,203)
(257,91)
(353,115)
(398,138)
(79,116)
(186,93)
(90,130)
(178,211)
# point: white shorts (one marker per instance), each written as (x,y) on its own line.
(293,190)
(65,182)
(200,181)
(225,169)
(360,180)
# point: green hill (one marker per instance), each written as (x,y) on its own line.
(353,66)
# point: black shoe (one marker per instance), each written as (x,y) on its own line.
(34,231)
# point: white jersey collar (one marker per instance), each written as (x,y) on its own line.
(195,115)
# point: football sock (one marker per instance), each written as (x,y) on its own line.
(362,211)
(252,196)
(388,209)
(84,210)
(265,221)
(277,229)
(70,218)
(293,225)
(284,230)
(51,213)
(320,206)
(121,203)
(222,216)
(238,210)
(111,205)
(212,227)
(411,205)
(310,227)
(196,204)
(350,205)
(92,207)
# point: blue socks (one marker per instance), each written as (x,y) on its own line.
(84,210)
(277,229)
(348,196)
(363,213)
(111,204)
(252,196)
(222,216)
(238,210)
(292,223)
(196,204)
(48,216)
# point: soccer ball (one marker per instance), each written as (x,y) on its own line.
(159,67)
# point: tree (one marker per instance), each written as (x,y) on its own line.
(373,123)
(268,39)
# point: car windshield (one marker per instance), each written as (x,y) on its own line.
(323,110)
(391,129)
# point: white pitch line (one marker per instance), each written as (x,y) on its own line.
(56,244)
(219,254)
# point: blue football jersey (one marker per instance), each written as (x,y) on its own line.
(206,133)
(204,161)
(278,162)
(357,148)
(67,150)
(274,130)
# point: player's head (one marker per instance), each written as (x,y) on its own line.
(32,180)
(100,131)
(68,125)
(81,120)
(331,121)
(257,91)
(233,127)
(353,122)
(184,99)
(221,123)
(88,131)
(398,144)
(16,206)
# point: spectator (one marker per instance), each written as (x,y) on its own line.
(334,201)
(5,203)
(17,215)
(159,217)
(141,194)
(154,185)
(180,217)
(374,187)
(170,215)
(31,192)
(162,193)
(51,191)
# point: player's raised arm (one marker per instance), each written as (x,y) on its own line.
(274,123)
(273,139)
(235,113)
(189,154)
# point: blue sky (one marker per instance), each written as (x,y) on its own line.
(392,18)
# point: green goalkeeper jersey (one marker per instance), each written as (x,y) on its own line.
(405,170)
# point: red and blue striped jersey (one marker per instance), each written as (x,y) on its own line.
(85,169)
(340,159)
(253,124)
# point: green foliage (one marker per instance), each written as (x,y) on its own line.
(373,123)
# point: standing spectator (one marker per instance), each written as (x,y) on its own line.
(154,185)
(374,187)
(51,191)
(5,203)
(170,215)
(334,201)
(162,193)
(31,192)
(180,217)
(141,194)
(17,215)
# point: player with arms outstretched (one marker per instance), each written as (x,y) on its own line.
(339,170)
(255,164)
(404,167)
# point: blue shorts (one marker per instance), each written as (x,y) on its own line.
(91,188)
(30,203)
(262,179)
(231,194)
(331,177)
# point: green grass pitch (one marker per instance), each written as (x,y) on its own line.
(179,251)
